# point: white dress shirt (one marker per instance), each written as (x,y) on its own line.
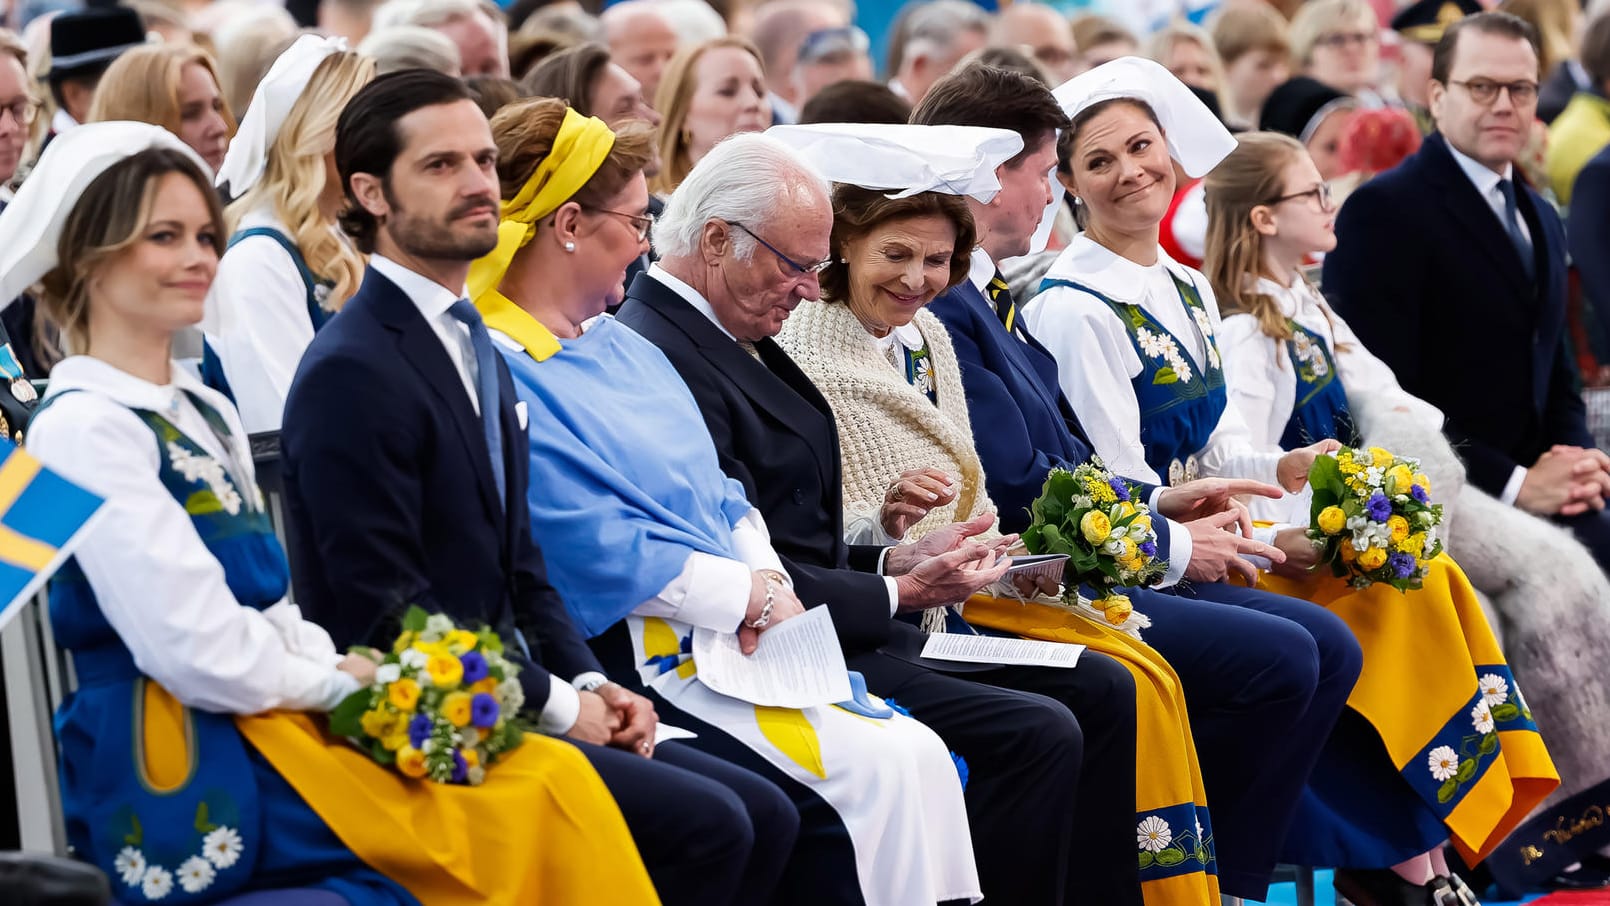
(692,296)
(157,584)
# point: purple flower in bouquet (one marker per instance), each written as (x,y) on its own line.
(461,768)
(1119,487)
(475,668)
(483,711)
(1402,565)
(1378,507)
(1419,493)
(1149,548)
(419,730)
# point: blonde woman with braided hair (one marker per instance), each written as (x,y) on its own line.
(288,267)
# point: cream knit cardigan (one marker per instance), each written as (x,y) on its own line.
(885,425)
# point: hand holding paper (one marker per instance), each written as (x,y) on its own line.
(795,665)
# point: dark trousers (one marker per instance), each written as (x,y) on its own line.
(1050,796)
(710,833)
(1265,678)
(1593,530)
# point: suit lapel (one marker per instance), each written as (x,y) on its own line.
(422,349)
(1470,212)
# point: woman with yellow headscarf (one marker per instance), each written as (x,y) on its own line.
(647,541)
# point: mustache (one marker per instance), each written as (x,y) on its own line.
(474,206)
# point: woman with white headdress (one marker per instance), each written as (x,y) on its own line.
(192,769)
(288,267)
(1425,753)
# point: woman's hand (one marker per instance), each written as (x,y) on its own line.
(784,605)
(1292,473)
(911,497)
(1302,554)
(361,667)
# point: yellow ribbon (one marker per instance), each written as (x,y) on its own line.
(579,149)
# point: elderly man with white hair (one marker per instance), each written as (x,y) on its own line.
(938,35)
(482,39)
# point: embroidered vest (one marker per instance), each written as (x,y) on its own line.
(1320,410)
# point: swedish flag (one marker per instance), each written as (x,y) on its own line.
(41,514)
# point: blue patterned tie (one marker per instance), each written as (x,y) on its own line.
(486,382)
(1512,225)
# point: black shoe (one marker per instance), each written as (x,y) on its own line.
(1384,887)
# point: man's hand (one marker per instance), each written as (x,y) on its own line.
(1565,481)
(1292,472)
(1217,548)
(903,558)
(952,576)
(911,497)
(636,718)
(1207,496)
(784,605)
(597,723)
(1302,554)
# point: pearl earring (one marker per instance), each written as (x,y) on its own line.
(570,246)
(1078,201)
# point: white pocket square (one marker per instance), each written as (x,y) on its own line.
(520,413)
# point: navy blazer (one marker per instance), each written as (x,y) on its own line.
(1426,275)
(1588,231)
(1022,425)
(775,433)
(390,497)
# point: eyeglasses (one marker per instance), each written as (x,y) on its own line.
(1485,91)
(1320,193)
(643,222)
(1340,39)
(832,42)
(23,110)
(799,269)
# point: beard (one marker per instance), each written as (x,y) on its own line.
(446,238)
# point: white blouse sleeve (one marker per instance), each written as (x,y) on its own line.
(1095,363)
(1230,450)
(263,325)
(713,592)
(161,589)
(1371,382)
(1261,383)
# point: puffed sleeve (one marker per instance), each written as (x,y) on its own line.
(1259,387)
(260,303)
(163,591)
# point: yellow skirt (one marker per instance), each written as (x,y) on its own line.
(542,829)
(1174,835)
(1436,688)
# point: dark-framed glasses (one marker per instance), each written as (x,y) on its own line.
(1485,91)
(23,110)
(1321,195)
(642,222)
(1340,39)
(799,269)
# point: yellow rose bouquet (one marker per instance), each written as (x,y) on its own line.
(1373,517)
(443,705)
(1094,518)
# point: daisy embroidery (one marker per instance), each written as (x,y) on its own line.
(1154,834)
(1443,762)
(196,874)
(130,865)
(1481,717)
(1494,689)
(221,846)
(925,374)
(1150,343)
(209,471)
(158,883)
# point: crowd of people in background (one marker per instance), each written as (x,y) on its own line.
(606,324)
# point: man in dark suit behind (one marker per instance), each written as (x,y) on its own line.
(405,483)
(1453,272)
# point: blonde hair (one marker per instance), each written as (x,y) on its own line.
(1254,173)
(293,180)
(142,85)
(1553,21)
(1319,18)
(1161,45)
(1242,29)
(672,100)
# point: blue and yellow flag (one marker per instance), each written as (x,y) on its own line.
(41,516)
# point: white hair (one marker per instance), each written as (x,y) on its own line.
(742,180)
(402,47)
(935,26)
(425,13)
(694,21)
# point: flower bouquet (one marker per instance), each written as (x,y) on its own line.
(443,704)
(1092,516)
(1373,518)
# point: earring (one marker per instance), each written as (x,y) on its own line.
(844,261)
(570,246)
(1078,201)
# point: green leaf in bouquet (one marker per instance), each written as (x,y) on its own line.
(1325,475)
(1032,540)
(414,619)
(347,718)
(1051,536)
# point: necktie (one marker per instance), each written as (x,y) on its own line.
(486,383)
(1512,225)
(1000,296)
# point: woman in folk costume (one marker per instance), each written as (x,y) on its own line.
(1135,337)
(191,767)
(1297,373)
(648,541)
(288,267)
(892,379)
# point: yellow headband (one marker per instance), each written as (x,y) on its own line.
(578,151)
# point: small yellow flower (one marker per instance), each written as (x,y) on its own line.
(1099,491)
(488,685)
(1115,608)
(378,722)
(1414,544)
(472,758)
(1332,520)
(1380,457)
(411,761)
(404,640)
(1424,482)
(1095,526)
(403,694)
(1131,550)
(460,640)
(1399,527)
(445,670)
(432,649)
(456,708)
(1348,554)
(1399,479)
(394,741)
(1374,558)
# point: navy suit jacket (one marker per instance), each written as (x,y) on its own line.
(775,433)
(390,497)
(1589,233)
(1022,425)
(1426,275)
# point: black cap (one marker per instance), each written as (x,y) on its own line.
(84,43)
(1297,106)
(1425,20)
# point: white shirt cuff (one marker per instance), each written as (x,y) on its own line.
(1179,553)
(752,541)
(711,592)
(894,594)
(1512,488)
(562,709)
